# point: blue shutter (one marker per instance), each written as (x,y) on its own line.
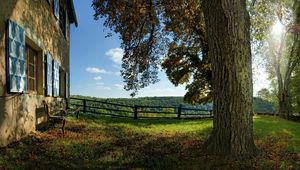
(49,73)
(56,78)
(67,85)
(16,70)
(56,8)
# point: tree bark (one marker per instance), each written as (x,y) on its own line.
(283,104)
(228,30)
(284,88)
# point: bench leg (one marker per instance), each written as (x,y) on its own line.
(63,126)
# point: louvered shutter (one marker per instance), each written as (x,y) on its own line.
(49,75)
(56,8)
(67,85)
(16,70)
(56,66)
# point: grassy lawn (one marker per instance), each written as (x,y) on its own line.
(96,142)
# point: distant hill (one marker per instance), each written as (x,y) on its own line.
(260,105)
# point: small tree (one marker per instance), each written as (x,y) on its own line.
(264,94)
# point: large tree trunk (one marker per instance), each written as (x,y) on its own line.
(228,25)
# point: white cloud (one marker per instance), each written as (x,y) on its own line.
(95,70)
(115,55)
(119,86)
(98,78)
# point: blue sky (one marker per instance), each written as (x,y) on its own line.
(95,62)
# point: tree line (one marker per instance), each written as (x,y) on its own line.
(260,105)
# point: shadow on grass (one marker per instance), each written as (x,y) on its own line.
(109,148)
(94,142)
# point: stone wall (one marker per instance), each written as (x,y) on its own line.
(18,111)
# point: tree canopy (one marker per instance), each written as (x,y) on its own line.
(275,29)
(170,33)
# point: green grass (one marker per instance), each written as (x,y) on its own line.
(265,126)
(96,142)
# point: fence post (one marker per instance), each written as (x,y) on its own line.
(84,106)
(179,111)
(135,112)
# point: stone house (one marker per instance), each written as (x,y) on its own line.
(34,62)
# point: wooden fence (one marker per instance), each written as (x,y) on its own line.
(138,111)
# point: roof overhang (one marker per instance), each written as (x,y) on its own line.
(72,14)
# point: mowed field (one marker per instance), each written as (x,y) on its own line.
(98,142)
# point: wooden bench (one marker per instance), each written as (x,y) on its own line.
(60,115)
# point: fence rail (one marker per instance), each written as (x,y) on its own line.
(138,111)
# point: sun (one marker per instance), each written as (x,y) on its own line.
(277,28)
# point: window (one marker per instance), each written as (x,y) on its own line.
(62,83)
(67,85)
(49,74)
(56,66)
(62,20)
(61,15)
(34,68)
(67,25)
(56,8)
(52,73)
(31,57)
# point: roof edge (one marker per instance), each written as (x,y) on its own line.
(74,13)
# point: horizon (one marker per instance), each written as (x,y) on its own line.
(72,95)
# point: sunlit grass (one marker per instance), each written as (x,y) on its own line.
(266,126)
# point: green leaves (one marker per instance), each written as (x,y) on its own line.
(151,31)
(183,65)
(262,17)
(137,23)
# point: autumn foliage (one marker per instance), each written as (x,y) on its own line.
(166,33)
